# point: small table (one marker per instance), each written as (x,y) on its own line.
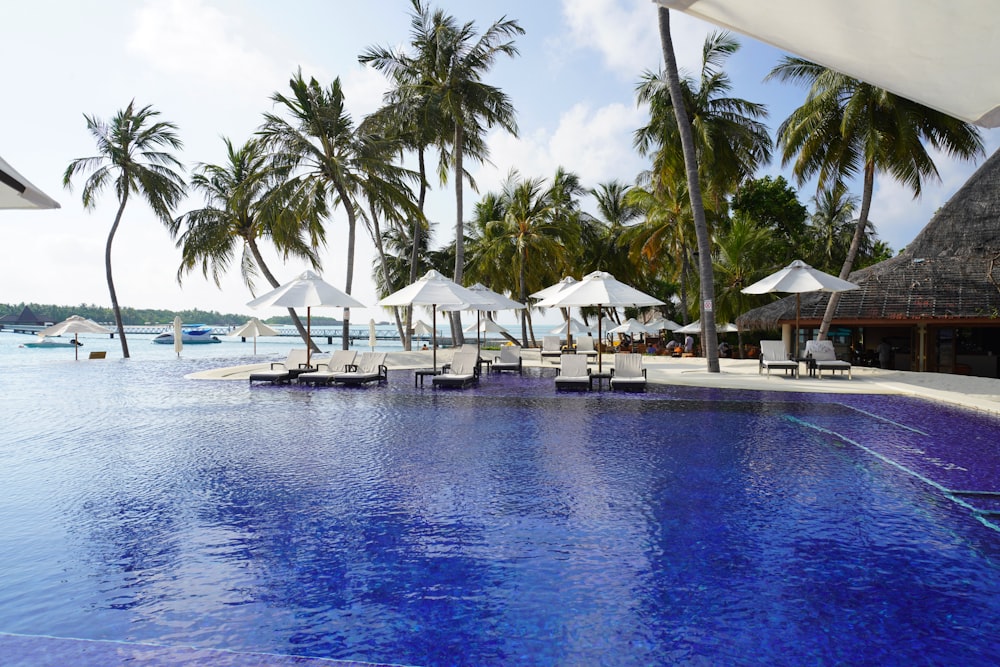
(484,362)
(420,374)
(810,366)
(600,377)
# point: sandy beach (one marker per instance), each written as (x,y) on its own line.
(972,392)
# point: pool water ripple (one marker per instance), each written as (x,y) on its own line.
(497,525)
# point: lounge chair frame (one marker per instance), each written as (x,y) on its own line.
(551,347)
(773,355)
(294,365)
(509,359)
(339,362)
(628,373)
(370,368)
(463,371)
(573,373)
(824,357)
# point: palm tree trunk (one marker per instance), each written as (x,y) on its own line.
(352,225)
(255,251)
(111,283)
(710,339)
(852,252)
(380,247)
(415,250)
(456,318)
(522,294)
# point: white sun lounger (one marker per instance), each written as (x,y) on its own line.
(585,346)
(573,372)
(370,368)
(773,355)
(551,347)
(338,362)
(282,372)
(824,357)
(463,371)
(509,359)
(628,373)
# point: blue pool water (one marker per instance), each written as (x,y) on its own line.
(499,525)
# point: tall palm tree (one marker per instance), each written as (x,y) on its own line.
(831,227)
(247,200)
(743,255)
(847,127)
(134,156)
(342,163)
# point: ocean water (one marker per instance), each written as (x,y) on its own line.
(503,524)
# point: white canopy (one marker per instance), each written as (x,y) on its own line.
(574,325)
(17,192)
(566,282)
(485,326)
(799,277)
(662,323)
(75,325)
(720,327)
(253,328)
(935,52)
(487,300)
(631,326)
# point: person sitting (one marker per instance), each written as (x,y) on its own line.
(725,351)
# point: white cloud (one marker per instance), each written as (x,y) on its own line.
(626,34)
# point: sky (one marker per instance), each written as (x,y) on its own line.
(211,67)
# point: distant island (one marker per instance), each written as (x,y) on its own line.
(147,316)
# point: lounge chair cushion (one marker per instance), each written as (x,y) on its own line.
(370,368)
(773,355)
(338,362)
(628,372)
(509,359)
(825,358)
(573,372)
(285,371)
(464,371)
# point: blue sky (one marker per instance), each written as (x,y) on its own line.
(210,66)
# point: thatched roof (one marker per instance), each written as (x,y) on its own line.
(27,316)
(951,270)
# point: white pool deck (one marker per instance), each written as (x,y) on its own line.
(972,392)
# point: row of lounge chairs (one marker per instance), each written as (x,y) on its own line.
(552,347)
(340,368)
(627,373)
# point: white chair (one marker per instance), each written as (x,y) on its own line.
(509,359)
(551,347)
(773,355)
(824,357)
(628,372)
(463,371)
(337,363)
(282,372)
(573,373)
(585,346)
(370,368)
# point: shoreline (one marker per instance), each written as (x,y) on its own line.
(976,393)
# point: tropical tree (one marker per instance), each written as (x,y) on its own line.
(847,128)
(134,157)
(248,200)
(744,253)
(774,205)
(341,163)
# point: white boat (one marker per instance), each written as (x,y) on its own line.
(191,334)
(48,342)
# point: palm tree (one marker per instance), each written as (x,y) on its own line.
(339,162)
(744,254)
(134,156)
(846,127)
(248,200)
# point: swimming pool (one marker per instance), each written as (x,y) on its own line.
(499,525)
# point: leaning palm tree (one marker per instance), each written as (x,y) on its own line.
(134,156)
(247,200)
(846,127)
(340,162)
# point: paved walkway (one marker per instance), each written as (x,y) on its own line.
(972,392)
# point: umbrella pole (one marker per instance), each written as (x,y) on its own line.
(309,336)
(434,337)
(600,341)
(798,308)
(76,346)
(479,343)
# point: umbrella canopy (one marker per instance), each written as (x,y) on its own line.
(421,328)
(306,291)
(254,327)
(928,51)
(488,300)
(600,289)
(433,290)
(178,335)
(552,290)
(17,192)
(661,323)
(485,326)
(799,277)
(574,326)
(631,326)
(695,328)
(75,325)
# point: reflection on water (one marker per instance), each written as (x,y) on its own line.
(504,524)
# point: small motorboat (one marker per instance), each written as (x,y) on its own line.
(44,341)
(191,334)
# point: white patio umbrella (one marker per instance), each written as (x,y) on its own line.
(178,335)
(486,326)
(75,325)
(254,327)
(661,323)
(573,326)
(433,290)
(17,192)
(695,328)
(307,291)
(928,51)
(551,290)
(799,277)
(631,326)
(421,328)
(600,289)
(488,301)
(372,339)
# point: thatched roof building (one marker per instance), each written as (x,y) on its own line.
(948,276)
(951,270)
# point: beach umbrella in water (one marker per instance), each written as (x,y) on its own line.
(307,291)
(372,339)
(76,325)
(433,290)
(488,301)
(603,290)
(254,327)
(799,277)
(178,335)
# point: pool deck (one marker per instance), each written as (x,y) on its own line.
(972,392)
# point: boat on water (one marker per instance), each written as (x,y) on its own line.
(44,341)
(191,334)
